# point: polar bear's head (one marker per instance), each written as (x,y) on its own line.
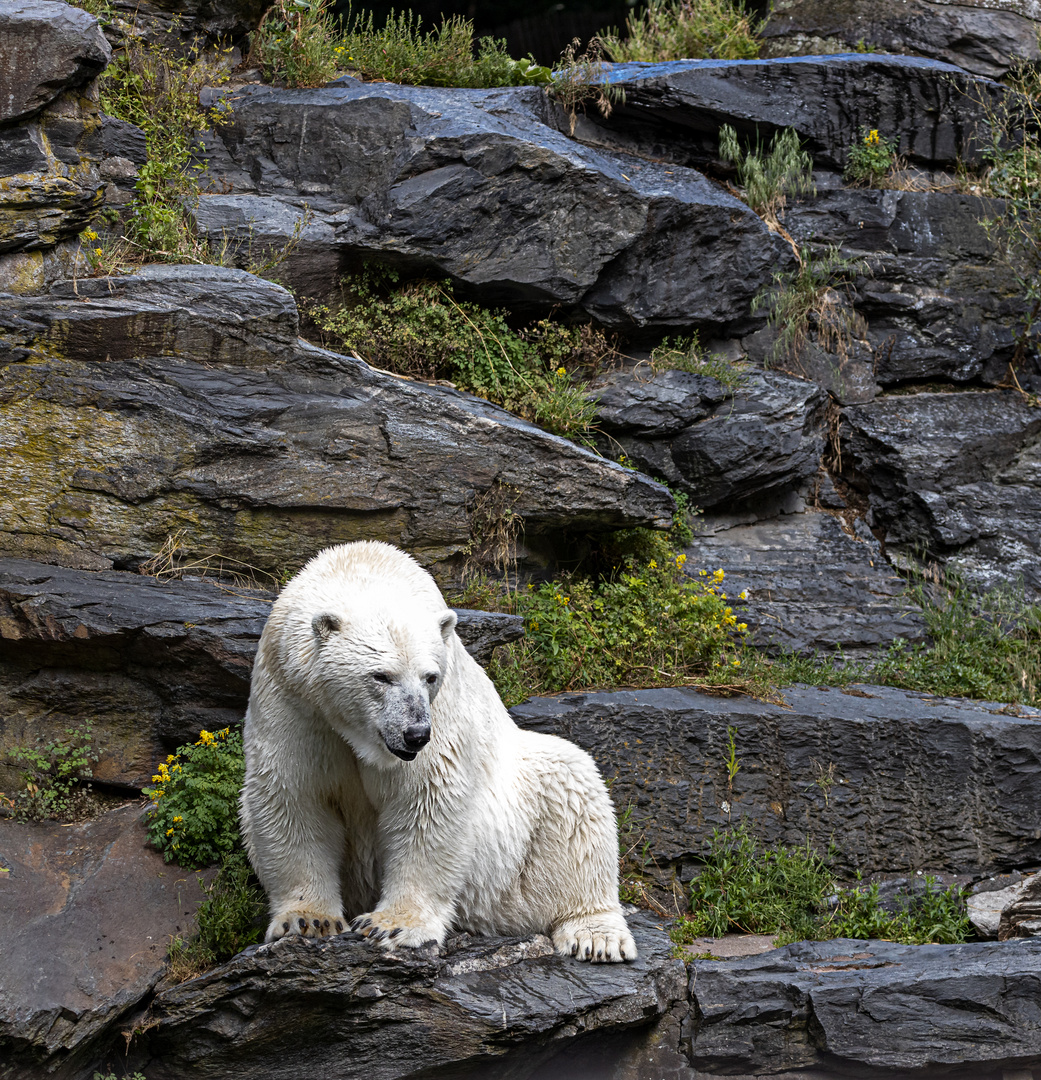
(376,676)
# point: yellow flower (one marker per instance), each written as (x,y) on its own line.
(743,594)
(736,663)
(171,758)
(872,137)
(158,793)
(561,372)
(742,626)
(169,832)
(718,574)
(681,559)
(90,234)
(703,573)
(653,565)
(98,252)
(156,779)
(177,820)
(205,739)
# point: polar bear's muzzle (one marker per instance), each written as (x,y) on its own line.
(413,739)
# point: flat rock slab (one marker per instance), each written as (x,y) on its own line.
(868,1009)
(86,915)
(892,779)
(244,444)
(150,662)
(815,582)
(338,1009)
(955,474)
(935,111)
(478,186)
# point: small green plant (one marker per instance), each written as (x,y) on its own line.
(768,177)
(446,56)
(732,762)
(299,43)
(580,79)
(229,920)
(871,159)
(817,297)
(421,330)
(687,30)
(686,354)
(194,821)
(55,772)
(934,915)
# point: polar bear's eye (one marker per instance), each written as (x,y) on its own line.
(382,677)
(431,679)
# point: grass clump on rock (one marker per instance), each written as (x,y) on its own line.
(687,30)
(769,176)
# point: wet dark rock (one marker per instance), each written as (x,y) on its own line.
(476,1008)
(815,581)
(86,916)
(183,25)
(653,405)
(180,406)
(475,185)
(892,779)
(1021,916)
(986,37)
(121,139)
(150,662)
(868,1009)
(937,299)
(936,112)
(46,48)
(763,437)
(955,476)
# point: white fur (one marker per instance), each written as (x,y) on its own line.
(489,829)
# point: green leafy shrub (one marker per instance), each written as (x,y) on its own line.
(299,43)
(55,772)
(871,159)
(195,818)
(686,354)
(768,177)
(935,915)
(687,30)
(421,330)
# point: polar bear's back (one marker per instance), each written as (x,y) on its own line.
(366,563)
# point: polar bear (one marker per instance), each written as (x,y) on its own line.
(386,782)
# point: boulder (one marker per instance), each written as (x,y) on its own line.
(763,437)
(990,898)
(185,25)
(150,662)
(955,476)
(936,112)
(1021,916)
(868,1009)
(816,581)
(884,778)
(46,47)
(338,1008)
(938,301)
(185,411)
(86,915)
(987,37)
(476,186)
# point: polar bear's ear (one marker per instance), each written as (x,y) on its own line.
(447,624)
(325,624)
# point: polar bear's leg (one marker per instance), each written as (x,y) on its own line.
(602,937)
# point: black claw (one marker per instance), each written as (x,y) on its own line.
(394,933)
(302,923)
(366,923)
(285,927)
(326,924)
(574,948)
(339,927)
(316,923)
(589,951)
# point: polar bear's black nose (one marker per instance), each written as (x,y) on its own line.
(416,736)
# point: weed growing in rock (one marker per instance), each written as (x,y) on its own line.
(298,42)
(229,920)
(686,354)
(871,159)
(687,29)
(55,772)
(446,56)
(196,792)
(934,915)
(420,330)
(768,177)
(579,79)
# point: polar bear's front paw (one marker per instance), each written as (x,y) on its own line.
(598,940)
(396,926)
(311,924)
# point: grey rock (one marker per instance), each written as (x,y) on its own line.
(653,405)
(86,916)
(481,1007)
(46,47)
(28,272)
(985,907)
(183,25)
(955,476)
(223,435)
(868,1009)
(150,662)
(1021,916)
(890,778)
(763,438)
(120,139)
(937,299)
(986,37)
(936,112)
(475,185)
(815,582)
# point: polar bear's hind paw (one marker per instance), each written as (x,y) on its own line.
(597,943)
(395,926)
(309,924)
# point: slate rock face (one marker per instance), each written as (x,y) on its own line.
(86,916)
(765,436)
(150,662)
(339,1008)
(868,1009)
(46,47)
(199,416)
(816,582)
(958,474)
(474,185)
(892,779)
(184,24)
(932,109)
(982,36)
